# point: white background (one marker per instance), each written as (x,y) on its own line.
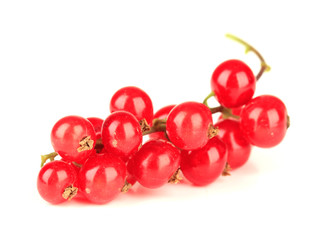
(60,58)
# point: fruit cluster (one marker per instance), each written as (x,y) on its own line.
(101,158)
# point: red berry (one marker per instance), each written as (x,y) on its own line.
(204,165)
(161,114)
(188,125)
(238,147)
(264,121)
(57,182)
(102,177)
(135,101)
(121,134)
(97,124)
(73,138)
(233,83)
(154,164)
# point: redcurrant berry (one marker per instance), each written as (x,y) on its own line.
(57,182)
(264,121)
(154,164)
(204,165)
(238,147)
(233,83)
(189,125)
(73,138)
(121,134)
(135,101)
(102,177)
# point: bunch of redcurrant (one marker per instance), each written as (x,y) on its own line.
(101,158)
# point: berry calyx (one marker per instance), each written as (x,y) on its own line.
(175,178)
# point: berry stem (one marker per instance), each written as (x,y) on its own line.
(159,125)
(77,164)
(205,101)
(49,156)
(227,112)
(264,66)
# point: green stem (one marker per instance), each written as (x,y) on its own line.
(264,65)
(205,101)
(227,112)
(49,156)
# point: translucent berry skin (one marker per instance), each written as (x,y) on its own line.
(135,101)
(54,177)
(264,121)
(102,177)
(161,114)
(205,165)
(154,164)
(121,134)
(233,83)
(97,124)
(238,147)
(188,125)
(67,134)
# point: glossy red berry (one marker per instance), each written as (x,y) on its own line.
(203,166)
(135,101)
(233,83)
(238,147)
(161,114)
(102,177)
(188,125)
(264,121)
(121,134)
(155,163)
(73,138)
(97,124)
(56,182)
